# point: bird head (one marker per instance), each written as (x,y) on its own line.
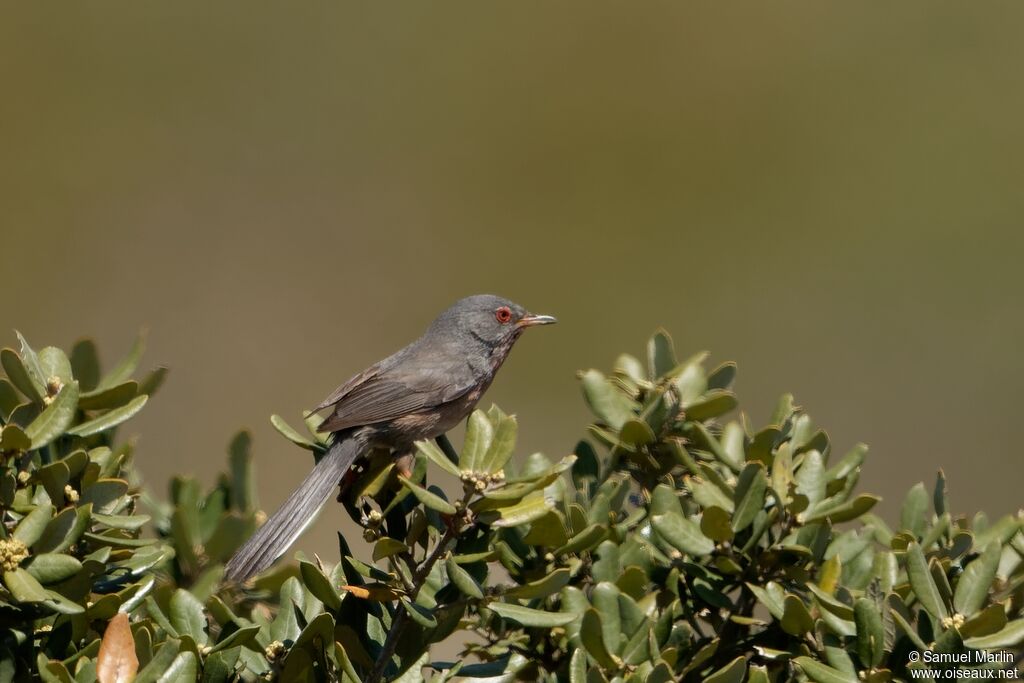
(492,320)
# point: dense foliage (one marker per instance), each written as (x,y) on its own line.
(672,545)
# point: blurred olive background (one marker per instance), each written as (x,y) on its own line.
(284,193)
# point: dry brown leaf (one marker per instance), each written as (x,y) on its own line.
(117,662)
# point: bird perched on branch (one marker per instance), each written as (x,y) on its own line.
(418,393)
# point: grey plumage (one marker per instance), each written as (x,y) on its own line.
(296,513)
(417,393)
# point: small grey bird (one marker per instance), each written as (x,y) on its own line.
(418,393)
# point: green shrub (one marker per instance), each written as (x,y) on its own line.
(672,545)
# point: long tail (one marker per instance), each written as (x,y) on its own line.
(291,519)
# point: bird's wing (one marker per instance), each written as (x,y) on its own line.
(391,394)
(347,387)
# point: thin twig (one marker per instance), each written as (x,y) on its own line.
(401,618)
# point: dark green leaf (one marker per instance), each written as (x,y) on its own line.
(112,397)
(733,672)
(1011,636)
(19,376)
(187,616)
(682,534)
(530,617)
(750,491)
(320,586)
(822,673)
(52,567)
(870,636)
(592,637)
(915,508)
(429,498)
(974,584)
(606,400)
(110,418)
(463,580)
(85,364)
(796,619)
(32,526)
(479,435)
(921,581)
(55,418)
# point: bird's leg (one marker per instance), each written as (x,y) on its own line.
(404,464)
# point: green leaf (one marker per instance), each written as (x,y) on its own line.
(414,672)
(530,508)
(733,672)
(1011,636)
(714,403)
(526,616)
(241,637)
(105,495)
(18,373)
(85,364)
(32,526)
(124,370)
(64,529)
(53,363)
(153,381)
(921,581)
(152,671)
(14,438)
(984,623)
(434,453)
(542,587)
(592,637)
(479,435)
(187,616)
(810,478)
(24,587)
(289,433)
(690,380)
(606,400)
(586,539)
(388,547)
(716,524)
(870,636)
(243,485)
(915,508)
(318,633)
(183,668)
(578,666)
(111,418)
(661,355)
(112,397)
(974,584)
(502,443)
(320,586)
(127,522)
(635,432)
(796,619)
(822,673)
(52,567)
(750,491)
(428,498)
(842,512)
(462,579)
(55,418)
(722,377)
(682,534)
(708,494)
(52,671)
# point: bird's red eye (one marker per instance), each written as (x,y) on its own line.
(503,314)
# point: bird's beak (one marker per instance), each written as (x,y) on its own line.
(529,320)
